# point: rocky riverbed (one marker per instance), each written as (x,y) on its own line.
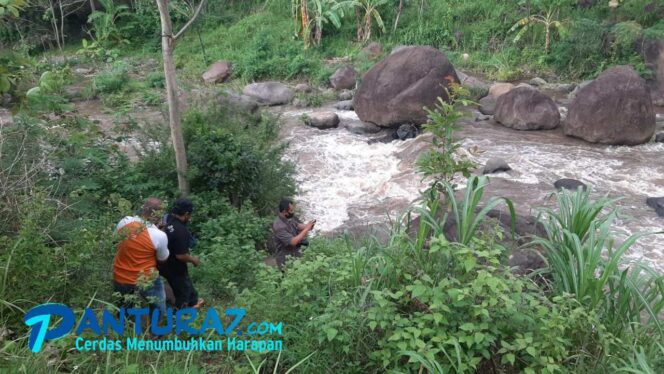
(348,182)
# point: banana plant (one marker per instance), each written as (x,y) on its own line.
(312,15)
(106,31)
(10,8)
(549,20)
(371,11)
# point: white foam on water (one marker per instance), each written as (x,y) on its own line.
(342,177)
(337,169)
(631,173)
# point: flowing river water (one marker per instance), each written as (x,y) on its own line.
(347,182)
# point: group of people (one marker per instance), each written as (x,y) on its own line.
(153,245)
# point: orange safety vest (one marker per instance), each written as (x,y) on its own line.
(136,254)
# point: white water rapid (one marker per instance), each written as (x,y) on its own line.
(346,182)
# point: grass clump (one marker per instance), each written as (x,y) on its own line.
(585,261)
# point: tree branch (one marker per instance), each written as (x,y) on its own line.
(193,18)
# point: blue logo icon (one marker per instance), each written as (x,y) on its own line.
(39,318)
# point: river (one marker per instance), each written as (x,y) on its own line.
(347,183)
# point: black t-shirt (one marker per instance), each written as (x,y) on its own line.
(178,244)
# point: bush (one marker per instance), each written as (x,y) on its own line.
(155,80)
(228,243)
(238,159)
(581,54)
(112,81)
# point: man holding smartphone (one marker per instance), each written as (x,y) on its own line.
(289,233)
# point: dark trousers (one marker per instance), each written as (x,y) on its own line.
(183,290)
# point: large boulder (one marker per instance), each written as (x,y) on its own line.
(525,108)
(269,93)
(615,108)
(344,78)
(396,90)
(218,72)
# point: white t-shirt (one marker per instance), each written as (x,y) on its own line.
(158,237)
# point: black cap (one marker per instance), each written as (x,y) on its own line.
(182,206)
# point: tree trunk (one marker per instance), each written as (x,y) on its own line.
(54,24)
(62,24)
(547,39)
(306,31)
(360,24)
(167,46)
(396,21)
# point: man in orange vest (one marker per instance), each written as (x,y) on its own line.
(142,245)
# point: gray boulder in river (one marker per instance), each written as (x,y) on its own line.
(269,93)
(344,78)
(525,108)
(395,90)
(616,108)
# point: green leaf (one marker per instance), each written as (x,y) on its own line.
(470,263)
(4,84)
(418,290)
(479,337)
(33,92)
(331,333)
(395,336)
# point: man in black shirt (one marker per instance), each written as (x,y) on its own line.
(175,269)
(289,233)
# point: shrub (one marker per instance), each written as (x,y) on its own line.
(239,159)
(111,81)
(581,53)
(228,243)
(155,80)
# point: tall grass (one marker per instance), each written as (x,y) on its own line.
(407,248)
(583,260)
(466,213)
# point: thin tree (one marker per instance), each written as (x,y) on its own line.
(168,40)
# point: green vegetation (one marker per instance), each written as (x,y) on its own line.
(416,302)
